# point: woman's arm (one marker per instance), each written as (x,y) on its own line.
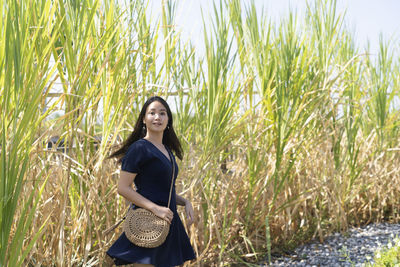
(180,200)
(188,208)
(125,189)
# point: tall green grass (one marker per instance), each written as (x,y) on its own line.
(290,131)
(25,74)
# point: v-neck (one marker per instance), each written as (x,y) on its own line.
(165,156)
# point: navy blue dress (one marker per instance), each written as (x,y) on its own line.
(153,181)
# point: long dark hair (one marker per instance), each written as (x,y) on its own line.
(169,136)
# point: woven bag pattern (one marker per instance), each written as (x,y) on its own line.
(143,228)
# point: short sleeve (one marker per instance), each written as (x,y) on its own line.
(134,158)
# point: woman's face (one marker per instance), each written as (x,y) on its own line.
(156,117)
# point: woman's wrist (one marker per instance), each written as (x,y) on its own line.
(152,207)
(188,203)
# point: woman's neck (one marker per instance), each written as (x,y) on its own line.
(155,138)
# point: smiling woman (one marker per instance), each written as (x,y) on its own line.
(148,162)
(156,120)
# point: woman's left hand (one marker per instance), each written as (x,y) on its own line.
(189,213)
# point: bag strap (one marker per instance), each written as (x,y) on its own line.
(107,231)
(173,176)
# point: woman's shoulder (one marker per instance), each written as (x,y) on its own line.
(135,157)
(140,142)
(138,146)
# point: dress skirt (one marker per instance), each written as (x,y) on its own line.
(173,252)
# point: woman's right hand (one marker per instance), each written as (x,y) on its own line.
(164,213)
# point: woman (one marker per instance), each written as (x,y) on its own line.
(146,161)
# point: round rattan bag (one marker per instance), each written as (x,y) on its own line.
(144,229)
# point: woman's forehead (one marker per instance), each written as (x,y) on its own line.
(156,106)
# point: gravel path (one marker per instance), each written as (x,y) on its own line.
(354,248)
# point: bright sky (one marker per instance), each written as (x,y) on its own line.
(365,18)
